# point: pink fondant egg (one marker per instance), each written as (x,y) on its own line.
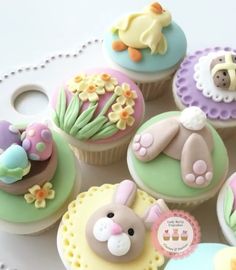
(37,141)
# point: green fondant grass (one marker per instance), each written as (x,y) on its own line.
(163,174)
(15,209)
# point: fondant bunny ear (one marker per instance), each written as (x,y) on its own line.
(125,193)
(154,212)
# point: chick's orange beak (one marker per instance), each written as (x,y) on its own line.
(157,8)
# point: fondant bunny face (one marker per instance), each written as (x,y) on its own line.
(115,232)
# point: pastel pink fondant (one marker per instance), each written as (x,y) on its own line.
(124,191)
(37,142)
(116,229)
(153,214)
(200,167)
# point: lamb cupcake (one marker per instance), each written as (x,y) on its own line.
(226,210)
(34,164)
(108,227)
(207,256)
(98,112)
(178,157)
(147,46)
(207,79)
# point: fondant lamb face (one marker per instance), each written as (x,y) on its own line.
(115,232)
(186,138)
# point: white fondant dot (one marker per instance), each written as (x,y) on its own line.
(190,178)
(137,138)
(13,129)
(136,146)
(146,140)
(142,151)
(119,245)
(31,132)
(102,229)
(200,180)
(33,156)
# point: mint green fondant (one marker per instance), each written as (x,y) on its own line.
(163,174)
(229,211)
(61,107)
(176,51)
(15,209)
(108,104)
(55,119)
(83,118)
(40,146)
(91,128)
(107,130)
(72,113)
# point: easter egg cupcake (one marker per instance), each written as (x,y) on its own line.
(37,178)
(207,79)
(147,46)
(207,256)
(98,112)
(226,210)
(178,157)
(108,227)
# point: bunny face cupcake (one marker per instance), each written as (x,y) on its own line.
(148,47)
(207,257)
(32,187)
(226,207)
(114,230)
(207,78)
(178,157)
(98,112)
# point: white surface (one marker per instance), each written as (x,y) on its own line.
(32,30)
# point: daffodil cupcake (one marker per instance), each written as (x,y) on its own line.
(147,46)
(97,112)
(37,177)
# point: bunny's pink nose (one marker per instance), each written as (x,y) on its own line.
(116,229)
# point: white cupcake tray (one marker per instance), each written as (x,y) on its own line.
(39,252)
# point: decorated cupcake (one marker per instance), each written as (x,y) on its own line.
(206,257)
(226,210)
(178,157)
(34,165)
(108,227)
(147,46)
(207,79)
(184,235)
(97,112)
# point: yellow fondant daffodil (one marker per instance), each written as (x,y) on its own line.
(106,81)
(121,116)
(126,95)
(38,195)
(91,92)
(78,83)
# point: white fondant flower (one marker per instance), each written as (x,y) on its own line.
(121,116)
(126,95)
(38,195)
(106,81)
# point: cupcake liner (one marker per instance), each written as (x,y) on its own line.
(153,90)
(105,157)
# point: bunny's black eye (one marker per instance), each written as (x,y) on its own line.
(131,231)
(110,215)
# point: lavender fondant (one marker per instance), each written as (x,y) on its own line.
(190,95)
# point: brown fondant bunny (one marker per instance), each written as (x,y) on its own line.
(115,232)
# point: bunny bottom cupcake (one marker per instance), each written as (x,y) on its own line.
(226,206)
(207,257)
(178,157)
(108,227)
(37,178)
